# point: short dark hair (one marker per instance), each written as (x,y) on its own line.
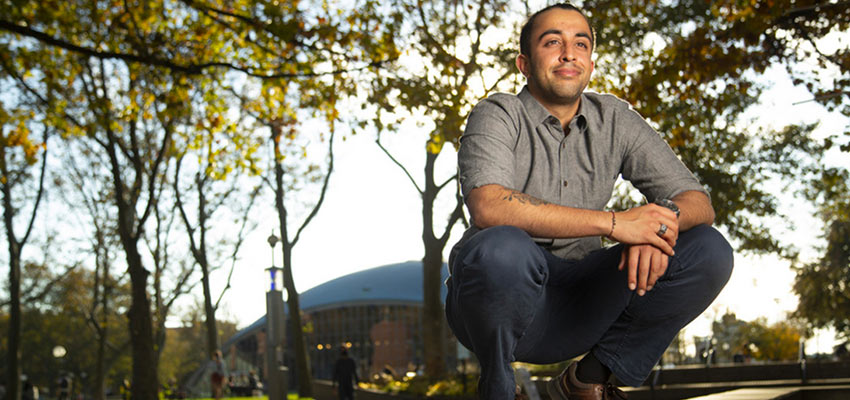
(525,33)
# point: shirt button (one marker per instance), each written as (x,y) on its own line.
(565,183)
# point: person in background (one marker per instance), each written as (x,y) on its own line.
(124,389)
(345,376)
(218,375)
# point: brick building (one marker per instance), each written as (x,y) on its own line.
(376,314)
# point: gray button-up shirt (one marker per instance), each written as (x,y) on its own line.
(513,141)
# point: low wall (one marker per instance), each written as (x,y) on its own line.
(814,370)
(678,383)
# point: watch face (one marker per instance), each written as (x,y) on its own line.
(667,203)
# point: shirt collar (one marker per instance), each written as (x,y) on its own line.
(540,114)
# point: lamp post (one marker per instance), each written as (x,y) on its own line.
(64,384)
(275,333)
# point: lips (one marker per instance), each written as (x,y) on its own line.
(567,71)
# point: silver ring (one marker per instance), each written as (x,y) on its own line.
(662,230)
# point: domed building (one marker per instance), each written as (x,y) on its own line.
(376,314)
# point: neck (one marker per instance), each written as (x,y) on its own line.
(563,111)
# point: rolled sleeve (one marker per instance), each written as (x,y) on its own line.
(486,154)
(650,164)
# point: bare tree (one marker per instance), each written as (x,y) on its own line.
(90,189)
(302,364)
(18,187)
(213,195)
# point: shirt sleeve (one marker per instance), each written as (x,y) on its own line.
(486,147)
(649,163)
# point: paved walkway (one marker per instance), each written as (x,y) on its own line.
(752,394)
(782,393)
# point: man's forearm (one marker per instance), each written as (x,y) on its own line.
(695,209)
(493,205)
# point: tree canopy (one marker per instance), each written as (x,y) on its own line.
(757,339)
(693,67)
(822,284)
(145,82)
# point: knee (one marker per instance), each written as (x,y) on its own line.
(712,255)
(501,257)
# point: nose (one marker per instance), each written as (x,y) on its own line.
(567,54)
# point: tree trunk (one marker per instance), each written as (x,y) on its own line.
(13,369)
(13,379)
(302,365)
(144,379)
(209,312)
(145,357)
(145,385)
(302,361)
(103,335)
(201,256)
(433,316)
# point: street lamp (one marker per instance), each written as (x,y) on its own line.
(64,384)
(59,352)
(275,278)
(275,333)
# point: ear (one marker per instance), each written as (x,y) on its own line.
(522,64)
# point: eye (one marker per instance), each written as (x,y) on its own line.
(551,42)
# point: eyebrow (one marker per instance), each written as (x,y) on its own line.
(559,32)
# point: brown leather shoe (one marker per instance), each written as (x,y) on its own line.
(519,394)
(567,387)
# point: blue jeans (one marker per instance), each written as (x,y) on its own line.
(511,300)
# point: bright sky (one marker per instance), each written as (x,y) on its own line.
(372,217)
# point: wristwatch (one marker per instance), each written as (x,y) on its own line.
(667,203)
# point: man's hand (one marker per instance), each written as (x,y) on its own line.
(646,253)
(646,263)
(640,225)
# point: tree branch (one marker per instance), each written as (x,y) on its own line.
(11,71)
(154,172)
(823,97)
(442,185)
(39,295)
(399,164)
(188,69)
(457,214)
(193,247)
(436,44)
(802,11)
(240,238)
(496,83)
(39,193)
(324,187)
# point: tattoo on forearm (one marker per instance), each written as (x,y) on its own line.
(524,198)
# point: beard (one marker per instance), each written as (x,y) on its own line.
(562,93)
(554,90)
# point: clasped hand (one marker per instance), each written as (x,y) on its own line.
(646,250)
